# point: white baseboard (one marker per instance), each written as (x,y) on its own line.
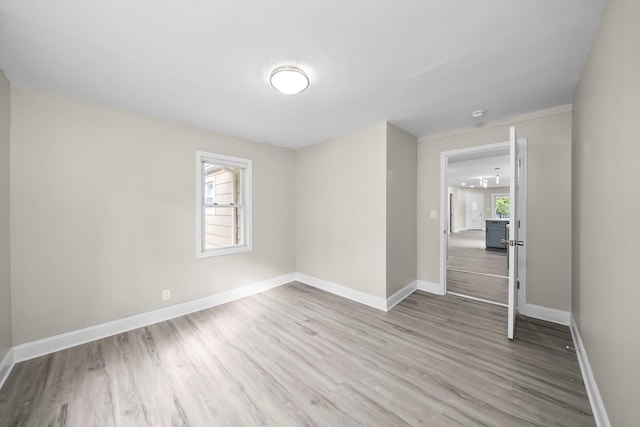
(545,313)
(55,343)
(343,291)
(5,366)
(431,287)
(597,406)
(394,299)
(70,339)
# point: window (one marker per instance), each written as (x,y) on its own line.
(501,205)
(223,205)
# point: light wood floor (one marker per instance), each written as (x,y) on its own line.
(494,289)
(295,355)
(471,269)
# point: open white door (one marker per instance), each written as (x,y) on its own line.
(514,220)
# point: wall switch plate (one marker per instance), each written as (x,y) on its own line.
(434,214)
(166,295)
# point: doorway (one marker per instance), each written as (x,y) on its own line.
(474,263)
(474,208)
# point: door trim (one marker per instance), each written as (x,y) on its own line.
(444,195)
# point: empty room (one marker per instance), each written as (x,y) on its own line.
(327,213)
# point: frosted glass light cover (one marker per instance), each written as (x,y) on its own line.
(289,80)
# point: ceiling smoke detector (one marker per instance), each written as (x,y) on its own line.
(478,114)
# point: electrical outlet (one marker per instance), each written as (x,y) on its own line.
(166,295)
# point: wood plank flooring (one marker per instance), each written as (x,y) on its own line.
(470,267)
(488,288)
(295,355)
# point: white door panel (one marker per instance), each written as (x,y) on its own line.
(514,221)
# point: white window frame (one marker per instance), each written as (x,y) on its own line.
(245,181)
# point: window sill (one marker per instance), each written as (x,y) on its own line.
(223,251)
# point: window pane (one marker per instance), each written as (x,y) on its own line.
(209,197)
(502,207)
(222,227)
(222,184)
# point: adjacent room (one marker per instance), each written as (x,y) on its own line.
(478,210)
(319,213)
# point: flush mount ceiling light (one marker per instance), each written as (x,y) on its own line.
(478,113)
(289,79)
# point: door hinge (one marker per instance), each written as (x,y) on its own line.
(518,284)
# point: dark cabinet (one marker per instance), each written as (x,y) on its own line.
(496,231)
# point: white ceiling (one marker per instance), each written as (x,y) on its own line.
(422,65)
(468,169)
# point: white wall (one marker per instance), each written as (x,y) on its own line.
(5,251)
(548,192)
(606,204)
(103,214)
(402,149)
(341,210)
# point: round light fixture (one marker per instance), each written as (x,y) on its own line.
(478,113)
(289,79)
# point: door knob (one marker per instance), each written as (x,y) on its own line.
(512,242)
